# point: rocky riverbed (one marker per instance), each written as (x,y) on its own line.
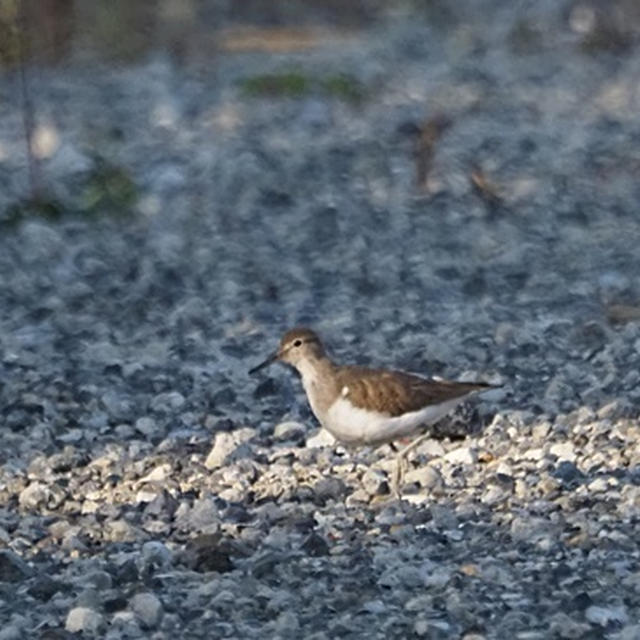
(464,204)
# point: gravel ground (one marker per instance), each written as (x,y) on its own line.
(149,487)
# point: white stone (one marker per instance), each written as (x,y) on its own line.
(427,477)
(321,439)
(564,451)
(598,485)
(462,455)
(494,495)
(432,448)
(504,469)
(603,616)
(158,474)
(222,447)
(124,619)
(83,619)
(143,496)
(225,444)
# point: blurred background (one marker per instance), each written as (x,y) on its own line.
(182,180)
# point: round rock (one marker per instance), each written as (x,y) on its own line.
(84,619)
(148,608)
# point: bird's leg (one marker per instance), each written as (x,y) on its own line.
(401,460)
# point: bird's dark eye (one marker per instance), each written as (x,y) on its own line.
(297,343)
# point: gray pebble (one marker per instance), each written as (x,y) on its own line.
(155,553)
(288,431)
(146,426)
(11,632)
(427,477)
(603,616)
(148,607)
(12,567)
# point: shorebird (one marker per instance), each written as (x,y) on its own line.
(360,406)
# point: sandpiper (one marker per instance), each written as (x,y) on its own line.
(361,406)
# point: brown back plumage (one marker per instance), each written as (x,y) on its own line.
(396,392)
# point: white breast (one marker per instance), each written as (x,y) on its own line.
(353,425)
(309,383)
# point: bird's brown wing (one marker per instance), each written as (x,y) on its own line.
(395,392)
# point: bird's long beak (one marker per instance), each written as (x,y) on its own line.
(270,360)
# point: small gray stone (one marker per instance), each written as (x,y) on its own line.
(374,482)
(632,632)
(42,241)
(167,402)
(120,531)
(315,545)
(148,608)
(612,282)
(494,495)
(11,632)
(12,567)
(124,431)
(204,516)
(146,426)
(563,626)
(68,160)
(207,552)
(603,616)
(287,625)
(100,580)
(374,606)
(125,624)
(567,471)
(288,431)
(118,406)
(155,553)
(329,488)
(84,619)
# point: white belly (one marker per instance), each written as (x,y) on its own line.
(353,425)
